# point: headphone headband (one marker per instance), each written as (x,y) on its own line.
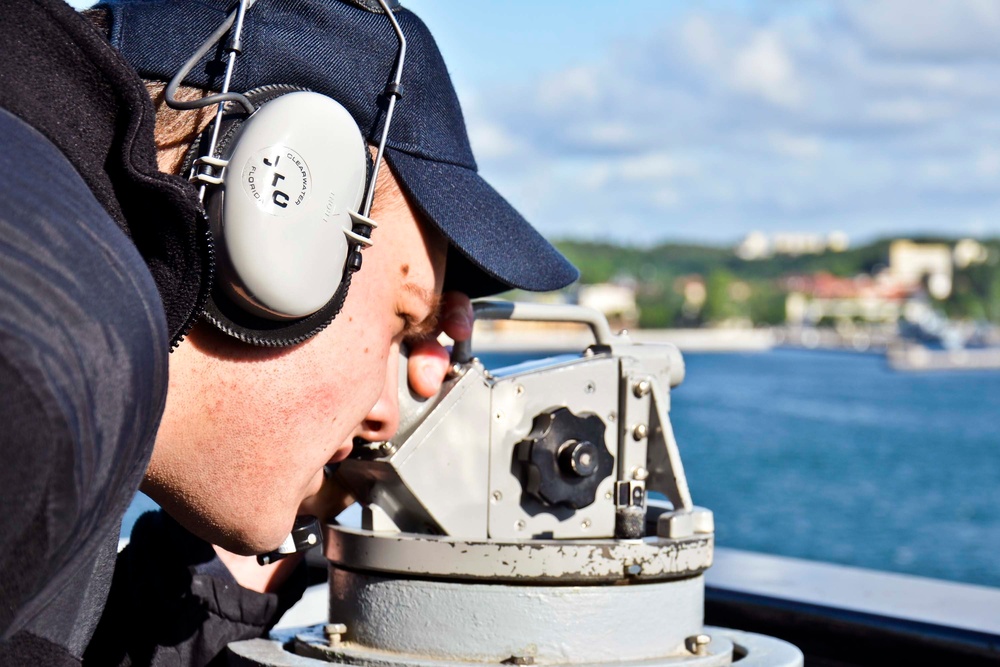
(288,187)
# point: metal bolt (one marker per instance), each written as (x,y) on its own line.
(585,524)
(519,525)
(640,474)
(641,388)
(387,448)
(640,432)
(334,632)
(497,496)
(590,388)
(456,370)
(698,644)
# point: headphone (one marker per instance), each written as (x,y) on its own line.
(287,182)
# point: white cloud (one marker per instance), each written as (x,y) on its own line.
(929,28)
(988,162)
(765,68)
(492,141)
(722,122)
(575,86)
(701,41)
(797,146)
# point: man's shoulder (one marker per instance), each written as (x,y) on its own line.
(83,370)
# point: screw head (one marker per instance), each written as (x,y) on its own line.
(497,496)
(640,432)
(641,388)
(519,525)
(334,629)
(590,388)
(640,474)
(698,644)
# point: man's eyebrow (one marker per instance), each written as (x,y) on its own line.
(428,325)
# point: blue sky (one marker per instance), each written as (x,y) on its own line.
(646,121)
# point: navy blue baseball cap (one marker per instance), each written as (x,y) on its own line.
(347,50)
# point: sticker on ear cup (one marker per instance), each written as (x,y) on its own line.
(277,179)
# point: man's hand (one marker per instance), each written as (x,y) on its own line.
(429,360)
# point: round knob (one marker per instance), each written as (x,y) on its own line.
(578,458)
(565,458)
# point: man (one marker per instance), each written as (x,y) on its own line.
(105,262)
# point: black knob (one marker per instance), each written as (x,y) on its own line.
(565,458)
(578,458)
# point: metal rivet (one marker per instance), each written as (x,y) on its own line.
(640,474)
(497,496)
(334,632)
(612,416)
(585,524)
(640,432)
(519,389)
(519,525)
(698,644)
(608,495)
(641,388)
(590,388)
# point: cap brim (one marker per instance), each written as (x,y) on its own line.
(494,247)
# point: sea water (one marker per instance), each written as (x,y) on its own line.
(832,456)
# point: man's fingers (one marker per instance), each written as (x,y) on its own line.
(429,361)
(427,366)
(456,315)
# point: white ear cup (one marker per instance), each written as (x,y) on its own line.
(295,170)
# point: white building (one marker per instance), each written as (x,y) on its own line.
(910,263)
(758,245)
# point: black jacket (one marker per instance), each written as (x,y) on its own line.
(104,263)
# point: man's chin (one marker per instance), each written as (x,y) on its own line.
(250,542)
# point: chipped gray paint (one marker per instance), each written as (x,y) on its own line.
(453,621)
(539,561)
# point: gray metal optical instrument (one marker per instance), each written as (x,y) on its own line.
(531,515)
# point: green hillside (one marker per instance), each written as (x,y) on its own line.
(760,299)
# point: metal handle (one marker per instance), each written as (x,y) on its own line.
(533,312)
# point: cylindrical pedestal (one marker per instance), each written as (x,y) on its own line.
(474,622)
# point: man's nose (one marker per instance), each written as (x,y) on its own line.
(382,420)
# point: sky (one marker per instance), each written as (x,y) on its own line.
(679,120)
(646,121)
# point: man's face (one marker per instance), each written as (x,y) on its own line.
(247,431)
